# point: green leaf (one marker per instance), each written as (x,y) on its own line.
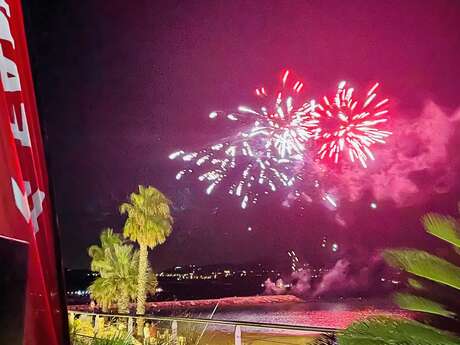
(423,264)
(415,284)
(116,339)
(457,250)
(416,303)
(384,330)
(445,228)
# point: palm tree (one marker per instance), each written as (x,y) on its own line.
(149,224)
(118,280)
(117,264)
(425,270)
(100,290)
(119,270)
(103,292)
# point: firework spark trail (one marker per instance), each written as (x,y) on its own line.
(266,150)
(251,166)
(345,124)
(283,125)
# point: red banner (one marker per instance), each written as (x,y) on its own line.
(25,211)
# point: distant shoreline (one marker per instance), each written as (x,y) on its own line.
(224,302)
(207,303)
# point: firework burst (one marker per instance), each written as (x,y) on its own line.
(348,126)
(265,154)
(254,169)
(280,124)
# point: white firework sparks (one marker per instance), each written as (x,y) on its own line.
(264,155)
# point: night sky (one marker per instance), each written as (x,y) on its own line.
(122,84)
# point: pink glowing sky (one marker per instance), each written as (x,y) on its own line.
(122,86)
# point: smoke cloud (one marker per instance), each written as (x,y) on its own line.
(347,277)
(336,279)
(274,288)
(415,164)
(301,282)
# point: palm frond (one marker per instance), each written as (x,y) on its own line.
(384,330)
(103,292)
(423,264)
(116,339)
(445,228)
(97,253)
(325,339)
(118,270)
(415,284)
(416,303)
(149,219)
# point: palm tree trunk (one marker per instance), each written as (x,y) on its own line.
(105,310)
(123,303)
(141,283)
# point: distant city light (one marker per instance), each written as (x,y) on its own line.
(335,247)
(78,292)
(249,228)
(373,205)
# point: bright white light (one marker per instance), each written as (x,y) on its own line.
(189,157)
(335,247)
(179,175)
(373,205)
(330,200)
(244,109)
(175,154)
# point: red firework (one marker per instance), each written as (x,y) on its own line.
(348,126)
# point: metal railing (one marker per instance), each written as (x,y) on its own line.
(237,328)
